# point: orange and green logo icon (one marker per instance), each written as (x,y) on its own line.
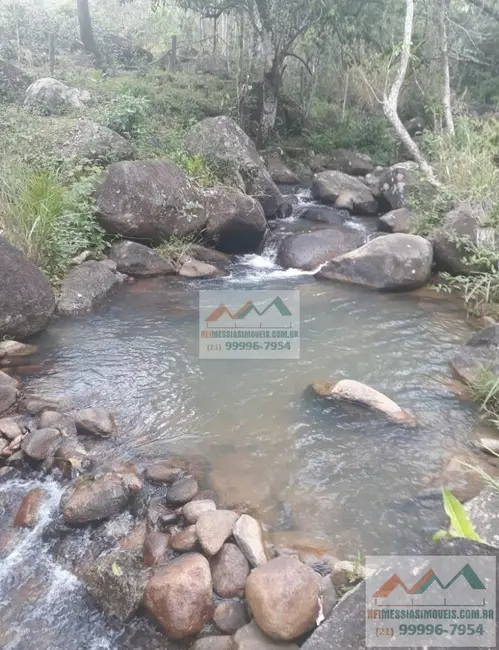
(426,581)
(248,308)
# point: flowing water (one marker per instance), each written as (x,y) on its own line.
(327,469)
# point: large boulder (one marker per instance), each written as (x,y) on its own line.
(358,393)
(52,96)
(95,143)
(344,191)
(179,596)
(283,596)
(323,214)
(461,230)
(39,444)
(13,82)
(345,627)
(116,580)
(139,261)
(95,500)
(86,286)
(149,200)
(26,298)
(393,262)
(480,352)
(396,184)
(235,222)
(124,51)
(307,251)
(95,422)
(221,140)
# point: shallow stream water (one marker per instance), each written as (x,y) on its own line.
(300,463)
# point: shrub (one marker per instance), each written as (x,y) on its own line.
(48,222)
(126,115)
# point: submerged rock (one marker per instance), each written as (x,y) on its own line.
(150,200)
(165,471)
(235,222)
(95,500)
(393,262)
(96,421)
(116,581)
(26,298)
(283,596)
(229,569)
(307,251)
(354,195)
(358,393)
(182,491)
(179,596)
(139,261)
(213,528)
(8,398)
(54,420)
(85,287)
(28,513)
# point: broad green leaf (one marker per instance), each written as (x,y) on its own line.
(116,569)
(461,525)
(440,535)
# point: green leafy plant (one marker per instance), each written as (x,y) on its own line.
(460,524)
(177,248)
(126,115)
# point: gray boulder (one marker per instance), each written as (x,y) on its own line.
(235,222)
(480,352)
(460,229)
(220,139)
(323,214)
(86,286)
(8,397)
(393,262)
(26,298)
(345,628)
(149,200)
(116,580)
(95,421)
(229,570)
(92,142)
(196,269)
(396,221)
(483,511)
(139,261)
(52,96)
(280,173)
(307,251)
(344,191)
(396,183)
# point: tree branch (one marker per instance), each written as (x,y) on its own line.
(486,8)
(302,61)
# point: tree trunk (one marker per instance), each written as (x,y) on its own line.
(446,90)
(86,31)
(390,101)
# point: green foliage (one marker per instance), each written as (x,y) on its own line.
(485,391)
(126,115)
(460,524)
(177,248)
(371,134)
(49,222)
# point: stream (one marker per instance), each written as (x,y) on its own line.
(302,464)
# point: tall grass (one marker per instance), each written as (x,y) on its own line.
(49,222)
(485,391)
